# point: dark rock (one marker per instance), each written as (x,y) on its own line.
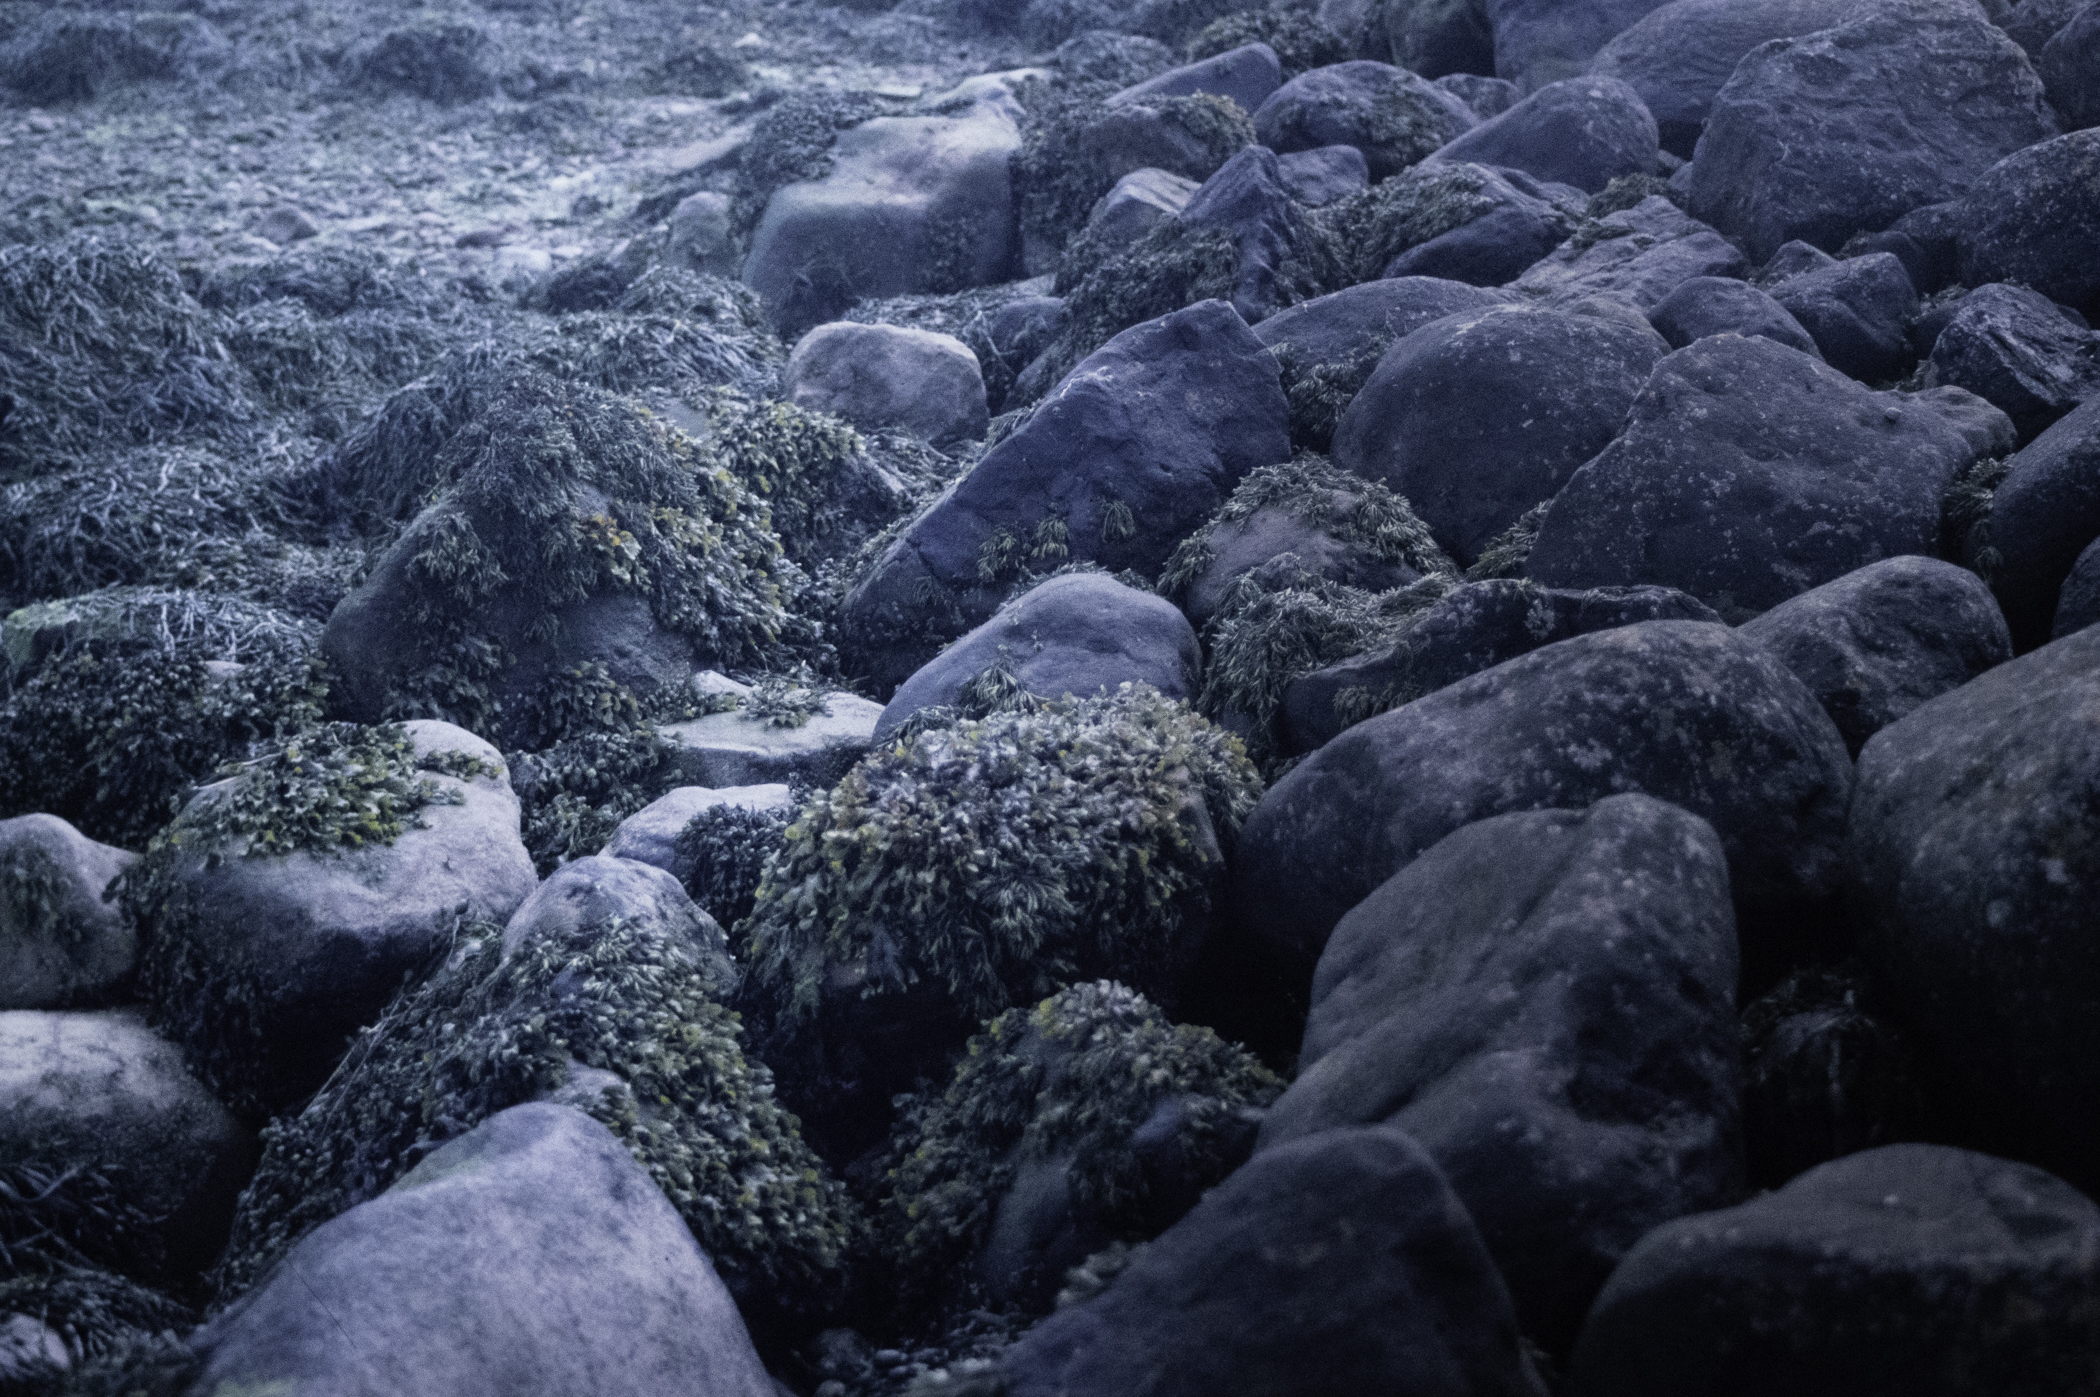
(1472,628)
(2034,218)
(1679,56)
(1988,431)
(1071,635)
(1366,318)
(1925,241)
(1878,642)
(1318,177)
(1247,75)
(1858,313)
(1478,417)
(1685,711)
(1024,327)
(448,64)
(1794,258)
(1394,117)
(890,376)
(1902,1270)
(1972,860)
(1581,131)
(2078,603)
(1545,1001)
(1486,96)
(1338,1263)
(1748,473)
(1139,202)
(2033,23)
(1488,250)
(1904,103)
(1137,447)
(2070,70)
(62,944)
(2027,356)
(1439,38)
(1543,41)
(1711,305)
(1638,255)
(1248,201)
(2042,517)
(529,1257)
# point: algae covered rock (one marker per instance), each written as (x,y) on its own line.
(62,945)
(651,834)
(1583,132)
(1640,255)
(1390,114)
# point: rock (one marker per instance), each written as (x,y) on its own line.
(1543,41)
(2027,356)
(1486,96)
(2070,70)
(1580,131)
(889,376)
(1878,642)
(1437,38)
(1927,240)
(1247,75)
(1906,102)
(287,224)
(913,204)
(1795,258)
(1136,136)
(1077,634)
(1318,177)
(1748,473)
(62,945)
(2078,603)
(2034,218)
(1281,537)
(1685,711)
(444,63)
(1907,1269)
(530,1256)
(1988,431)
(1858,312)
(1128,455)
(267,962)
(1502,231)
(738,749)
(1140,201)
(1248,201)
(1638,255)
(1973,869)
(703,235)
(590,891)
(1339,1263)
(1545,1002)
(1471,628)
(1363,320)
(1476,418)
(99,1091)
(30,1349)
(1679,56)
(1719,305)
(2033,23)
(2042,517)
(1025,326)
(650,834)
(1394,117)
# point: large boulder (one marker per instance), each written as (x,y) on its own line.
(1338,1263)
(1678,57)
(2043,515)
(99,1092)
(2029,357)
(1973,865)
(798,745)
(1859,313)
(530,1256)
(1473,224)
(1903,103)
(1583,132)
(1545,1001)
(2069,66)
(1390,114)
(1878,642)
(1722,305)
(1249,203)
(1638,255)
(1685,711)
(890,376)
(593,890)
(1748,473)
(1080,634)
(1247,75)
(1542,41)
(1132,451)
(1476,418)
(1902,1270)
(63,943)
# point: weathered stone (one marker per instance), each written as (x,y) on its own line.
(63,944)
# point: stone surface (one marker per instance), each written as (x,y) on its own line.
(1247,74)
(1878,642)
(2069,66)
(1581,131)
(1902,1270)
(1139,202)
(2027,356)
(702,236)
(889,376)
(650,834)
(2043,516)
(588,892)
(1318,177)
(1545,1001)
(1645,253)
(1248,201)
(62,945)
(530,1257)
(1276,534)
(2078,603)
(735,749)
(1393,116)
(1437,38)
(1858,312)
(1364,320)
(1720,305)
(1543,41)
(1486,236)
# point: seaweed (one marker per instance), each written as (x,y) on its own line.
(1965,516)
(448,64)
(1505,554)
(1300,40)
(721,857)
(792,142)
(68,56)
(96,1314)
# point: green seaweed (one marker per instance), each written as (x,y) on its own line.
(721,855)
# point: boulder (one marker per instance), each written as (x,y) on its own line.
(650,834)
(1791,259)
(1858,312)
(1722,305)
(2033,23)
(530,1257)
(1988,431)
(1638,255)
(703,234)
(1905,102)
(99,1091)
(2042,517)
(2034,218)
(912,204)
(1927,240)
(593,890)
(1545,1002)
(1477,417)
(2070,70)
(1471,628)
(1077,634)
(881,377)
(1394,117)
(1139,202)
(2078,603)
(1685,711)
(1318,177)
(1248,201)
(2029,357)
(1878,642)
(1580,131)
(1130,453)
(1748,473)
(1973,869)
(1247,75)
(1902,1270)
(741,748)
(62,944)
(1437,38)
(1486,96)
(1294,538)
(1679,56)
(1543,41)
(1338,1263)
(1363,320)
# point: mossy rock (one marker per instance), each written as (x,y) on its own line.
(1301,41)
